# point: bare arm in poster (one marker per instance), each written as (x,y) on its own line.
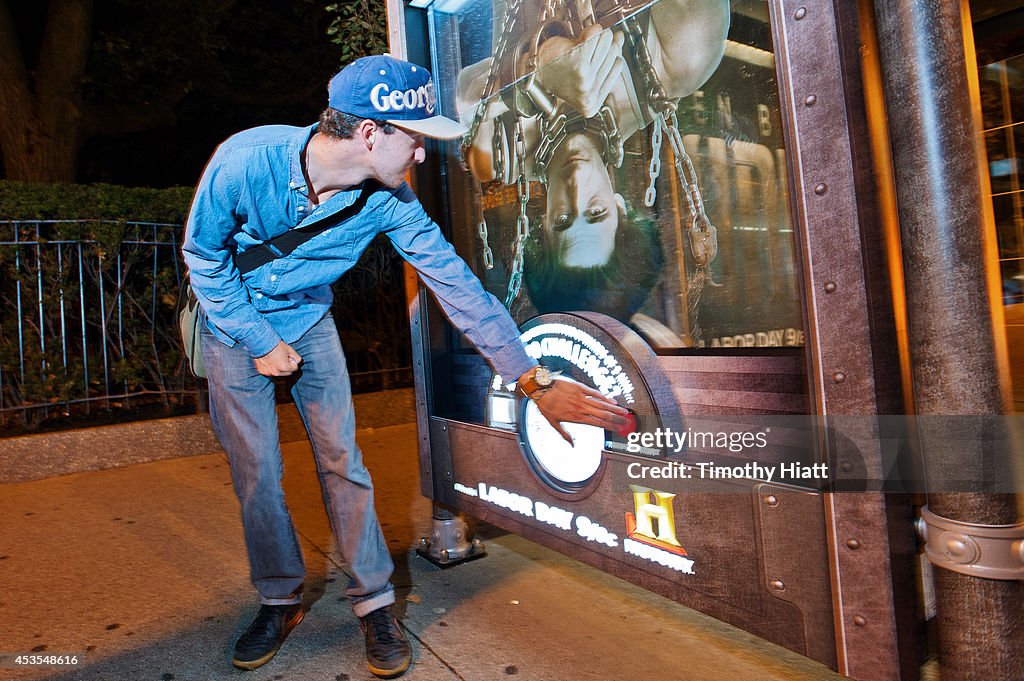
(592,252)
(685,39)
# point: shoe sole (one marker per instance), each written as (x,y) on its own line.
(389,673)
(249,665)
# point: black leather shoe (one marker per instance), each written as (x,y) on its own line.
(258,645)
(387,651)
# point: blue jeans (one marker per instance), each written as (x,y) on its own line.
(244,416)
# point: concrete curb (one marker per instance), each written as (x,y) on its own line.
(34,457)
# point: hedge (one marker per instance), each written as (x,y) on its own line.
(24,201)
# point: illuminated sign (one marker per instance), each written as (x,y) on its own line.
(596,351)
(545,342)
(571,464)
(773,338)
(651,531)
(560,518)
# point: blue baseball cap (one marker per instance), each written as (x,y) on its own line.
(383,88)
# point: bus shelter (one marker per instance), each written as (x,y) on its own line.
(683,205)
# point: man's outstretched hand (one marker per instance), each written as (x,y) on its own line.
(575,402)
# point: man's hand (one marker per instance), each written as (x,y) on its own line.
(571,401)
(281,361)
(583,74)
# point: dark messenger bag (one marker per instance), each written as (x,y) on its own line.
(189,317)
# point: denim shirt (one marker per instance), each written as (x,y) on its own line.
(253,190)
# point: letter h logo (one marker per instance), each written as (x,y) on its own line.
(654,522)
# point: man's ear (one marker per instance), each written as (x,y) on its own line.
(367,132)
(621,203)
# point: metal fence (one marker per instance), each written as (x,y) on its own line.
(88,321)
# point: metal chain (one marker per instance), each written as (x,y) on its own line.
(550,8)
(703,235)
(554,132)
(703,242)
(488,253)
(507,23)
(654,170)
(515,282)
(657,96)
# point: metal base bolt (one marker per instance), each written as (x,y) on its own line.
(448,544)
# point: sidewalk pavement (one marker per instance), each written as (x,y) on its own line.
(142,568)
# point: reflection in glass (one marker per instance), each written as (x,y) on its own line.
(1002,104)
(627,159)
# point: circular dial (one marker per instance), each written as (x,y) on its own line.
(562,465)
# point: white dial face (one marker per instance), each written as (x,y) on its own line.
(557,457)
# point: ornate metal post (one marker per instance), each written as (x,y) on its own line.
(955,347)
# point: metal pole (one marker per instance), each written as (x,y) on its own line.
(956,351)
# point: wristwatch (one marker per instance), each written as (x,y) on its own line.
(537,382)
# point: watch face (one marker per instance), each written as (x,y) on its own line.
(543,377)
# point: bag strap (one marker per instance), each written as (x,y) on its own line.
(284,244)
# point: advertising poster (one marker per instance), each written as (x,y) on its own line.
(627,159)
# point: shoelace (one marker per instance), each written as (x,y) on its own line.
(382,628)
(265,620)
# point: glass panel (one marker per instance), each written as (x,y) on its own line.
(1000,166)
(1002,100)
(589,198)
(1007,209)
(1015,86)
(991,82)
(1015,153)
(1013,284)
